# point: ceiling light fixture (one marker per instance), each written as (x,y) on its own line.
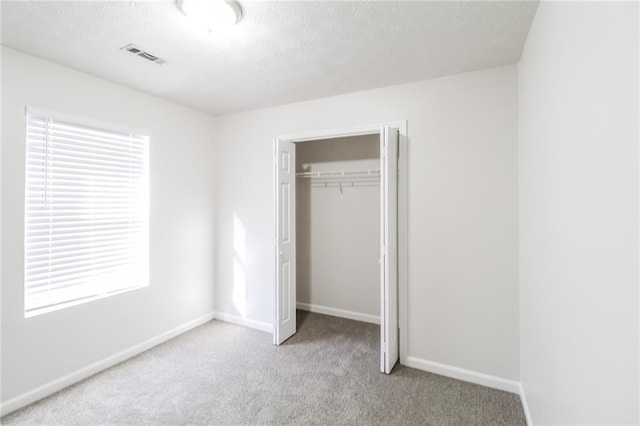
(211,13)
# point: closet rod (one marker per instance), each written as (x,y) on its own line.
(342,184)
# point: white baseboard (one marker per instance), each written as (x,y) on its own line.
(81,374)
(525,406)
(246,322)
(464,374)
(334,312)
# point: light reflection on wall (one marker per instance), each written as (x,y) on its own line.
(239,258)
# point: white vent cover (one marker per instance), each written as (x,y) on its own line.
(138,51)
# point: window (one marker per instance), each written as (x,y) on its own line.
(86,211)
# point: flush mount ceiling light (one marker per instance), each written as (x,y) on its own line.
(211,13)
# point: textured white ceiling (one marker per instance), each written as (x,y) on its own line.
(280,52)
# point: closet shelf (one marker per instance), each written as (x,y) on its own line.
(329,174)
(342,178)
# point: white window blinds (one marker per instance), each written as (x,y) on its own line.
(86,211)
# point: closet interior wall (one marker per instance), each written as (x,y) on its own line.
(338,228)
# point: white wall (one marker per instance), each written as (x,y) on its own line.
(338,234)
(578,86)
(44,348)
(462,210)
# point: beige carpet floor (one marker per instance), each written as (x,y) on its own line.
(225,374)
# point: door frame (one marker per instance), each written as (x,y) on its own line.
(403,261)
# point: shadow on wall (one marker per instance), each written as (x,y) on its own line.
(303,237)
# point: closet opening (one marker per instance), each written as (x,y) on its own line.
(338,227)
(336,198)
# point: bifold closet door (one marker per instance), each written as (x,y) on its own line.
(285,175)
(388,248)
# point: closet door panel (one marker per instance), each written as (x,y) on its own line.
(285,177)
(389,350)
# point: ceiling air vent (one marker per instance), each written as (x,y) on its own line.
(136,50)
